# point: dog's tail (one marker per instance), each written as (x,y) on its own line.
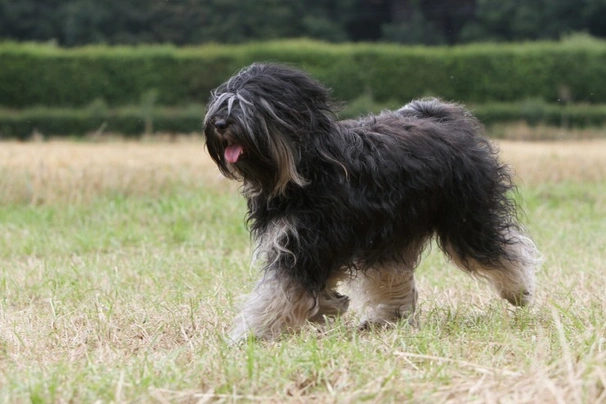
(435,108)
(451,118)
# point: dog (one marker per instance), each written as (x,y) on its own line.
(357,201)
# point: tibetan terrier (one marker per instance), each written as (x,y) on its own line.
(357,201)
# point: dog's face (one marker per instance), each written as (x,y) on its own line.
(257,122)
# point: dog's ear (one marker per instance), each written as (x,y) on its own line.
(286,158)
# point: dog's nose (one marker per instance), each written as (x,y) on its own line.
(221,124)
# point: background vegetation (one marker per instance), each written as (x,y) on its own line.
(134,66)
(134,121)
(134,90)
(565,71)
(79,22)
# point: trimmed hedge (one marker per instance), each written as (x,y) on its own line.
(129,121)
(34,74)
(135,121)
(535,112)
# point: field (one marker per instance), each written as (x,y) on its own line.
(121,264)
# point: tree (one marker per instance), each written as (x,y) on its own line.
(23,20)
(516,20)
(428,21)
(593,14)
(79,22)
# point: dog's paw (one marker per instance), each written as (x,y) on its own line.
(330,305)
(520,299)
(387,318)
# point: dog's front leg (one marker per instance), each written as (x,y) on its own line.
(276,304)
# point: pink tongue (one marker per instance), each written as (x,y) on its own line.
(233,152)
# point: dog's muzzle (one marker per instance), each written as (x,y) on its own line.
(232,150)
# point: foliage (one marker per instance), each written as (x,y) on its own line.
(33,74)
(128,121)
(98,119)
(80,22)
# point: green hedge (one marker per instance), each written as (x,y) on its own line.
(135,121)
(129,121)
(536,112)
(34,74)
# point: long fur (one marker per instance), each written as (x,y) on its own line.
(328,197)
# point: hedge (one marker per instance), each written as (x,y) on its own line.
(36,74)
(129,121)
(135,121)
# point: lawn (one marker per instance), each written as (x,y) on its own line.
(121,265)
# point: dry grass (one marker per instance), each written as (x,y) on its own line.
(40,172)
(121,263)
(69,171)
(553,162)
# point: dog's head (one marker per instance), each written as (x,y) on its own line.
(259,122)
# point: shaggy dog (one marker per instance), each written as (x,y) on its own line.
(358,200)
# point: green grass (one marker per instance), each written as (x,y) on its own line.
(128,299)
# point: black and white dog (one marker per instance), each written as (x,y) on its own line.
(358,200)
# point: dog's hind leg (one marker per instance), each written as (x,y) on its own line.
(513,274)
(276,304)
(384,295)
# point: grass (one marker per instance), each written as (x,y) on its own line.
(121,264)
